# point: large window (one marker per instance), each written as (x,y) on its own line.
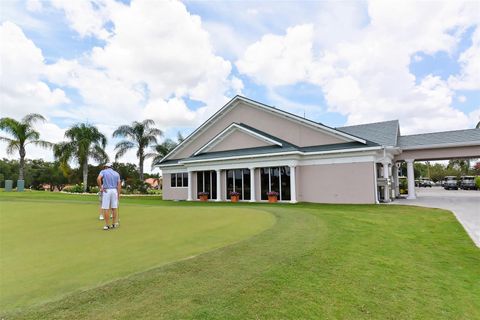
(238,180)
(275,179)
(179,180)
(207,182)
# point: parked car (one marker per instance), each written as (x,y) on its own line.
(467,183)
(426,183)
(450,183)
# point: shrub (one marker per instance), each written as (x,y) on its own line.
(234,193)
(78,188)
(477,182)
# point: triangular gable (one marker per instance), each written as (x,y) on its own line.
(237,136)
(274,121)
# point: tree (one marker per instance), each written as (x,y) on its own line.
(85,142)
(161,150)
(139,136)
(23,134)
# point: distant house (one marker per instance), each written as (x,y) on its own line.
(252,148)
(154,183)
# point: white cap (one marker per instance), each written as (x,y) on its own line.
(108,164)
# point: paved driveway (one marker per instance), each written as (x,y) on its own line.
(465,204)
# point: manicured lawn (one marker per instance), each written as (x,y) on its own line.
(314,262)
(52,248)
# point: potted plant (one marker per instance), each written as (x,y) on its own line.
(234,196)
(272,196)
(203,196)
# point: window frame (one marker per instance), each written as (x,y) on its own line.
(175,176)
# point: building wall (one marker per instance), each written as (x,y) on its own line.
(336,183)
(238,140)
(170,193)
(274,124)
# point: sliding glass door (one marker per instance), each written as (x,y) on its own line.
(207,182)
(275,179)
(238,180)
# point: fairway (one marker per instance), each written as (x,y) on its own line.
(50,249)
(251,261)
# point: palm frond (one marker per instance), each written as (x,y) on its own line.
(5,139)
(12,146)
(42,144)
(124,132)
(32,118)
(98,154)
(10,126)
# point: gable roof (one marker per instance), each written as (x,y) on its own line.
(234,101)
(242,128)
(384,133)
(439,139)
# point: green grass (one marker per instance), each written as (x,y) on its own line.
(50,248)
(315,262)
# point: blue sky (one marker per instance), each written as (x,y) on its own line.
(110,62)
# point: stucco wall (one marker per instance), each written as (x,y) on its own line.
(336,183)
(170,193)
(238,140)
(276,125)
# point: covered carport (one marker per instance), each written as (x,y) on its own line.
(448,145)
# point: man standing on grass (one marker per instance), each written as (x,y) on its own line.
(109,184)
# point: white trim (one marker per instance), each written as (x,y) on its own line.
(229,130)
(235,100)
(301,153)
(440,146)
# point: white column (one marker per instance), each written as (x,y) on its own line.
(411,179)
(219,185)
(293,185)
(386,189)
(395,180)
(190,186)
(252,184)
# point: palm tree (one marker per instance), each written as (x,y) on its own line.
(161,150)
(23,134)
(85,142)
(139,136)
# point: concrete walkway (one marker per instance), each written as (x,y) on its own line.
(465,204)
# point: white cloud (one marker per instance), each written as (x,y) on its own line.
(22,70)
(154,51)
(368,78)
(171,113)
(34,5)
(88,17)
(469,77)
(279,60)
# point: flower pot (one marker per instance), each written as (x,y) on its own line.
(203,198)
(272,199)
(234,198)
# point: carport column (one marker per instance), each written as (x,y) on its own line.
(252,184)
(386,189)
(293,185)
(219,185)
(410,179)
(395,180)
(190,186)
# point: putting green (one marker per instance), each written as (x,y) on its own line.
(50,249)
